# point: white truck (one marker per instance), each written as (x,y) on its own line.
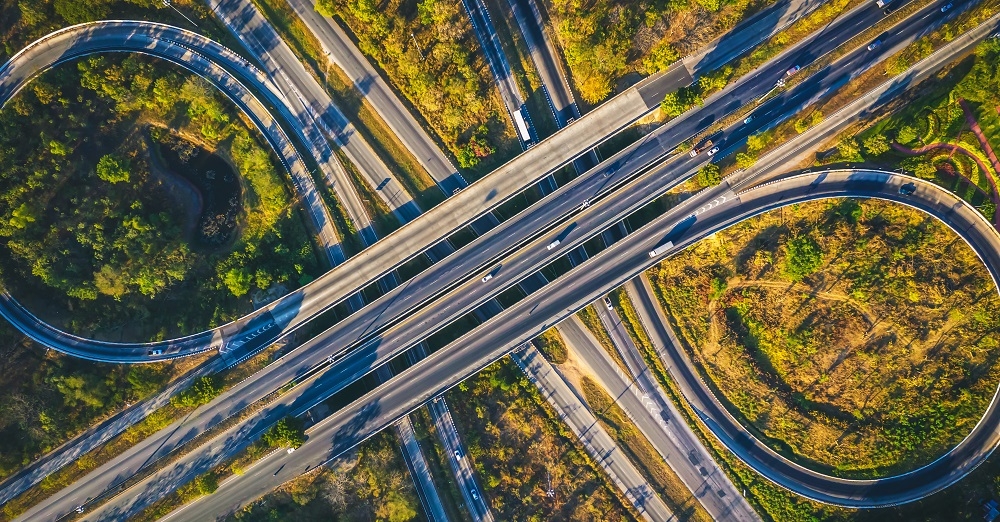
(522,126)
(654,253)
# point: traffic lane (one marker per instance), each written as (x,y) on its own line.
(658,423)
(458,460)
(887,491)
(843,70)
(341,50)
(594,438)
(469,354)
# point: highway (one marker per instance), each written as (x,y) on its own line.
(691,221)
(419,471)
(300,361)
(319,116)
(501,272)
(339,48)
(656,417)
(380,405)
(503,76)
(256,330)
(595,440)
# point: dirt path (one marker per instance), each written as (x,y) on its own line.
(974,124)
(994,196)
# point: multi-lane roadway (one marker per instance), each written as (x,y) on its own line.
(615,171)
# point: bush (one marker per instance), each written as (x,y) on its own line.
(676,103)
(876,145)
(286,433)
(708,176)
(113,169)
(551,345)
(802,257)
(202,391)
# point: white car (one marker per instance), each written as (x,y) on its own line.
(488,277)
(713,151)
(607,303)
(156,352)
(458,454)
(475,495)
(748,119)
(553,245)
(946,7)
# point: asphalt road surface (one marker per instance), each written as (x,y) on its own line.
(595,440)
(382,258)
(339,48)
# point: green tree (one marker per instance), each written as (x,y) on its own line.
(906,135)
(113,169)
(708,175)
(286,433)
(238,281)
(876,145)
(202,391)
(676,103)
(662,56)
(802,257)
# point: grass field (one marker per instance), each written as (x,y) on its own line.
(857,338)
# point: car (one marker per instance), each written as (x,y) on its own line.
(475,495)
(607,303)
(748,119)
(908,189)
(586,203)
(156,352)
(458,454)
(874,45)
(553,245)
(945,8)
(291,450)
(79,509)
(793,70)
(713,151)
(487,277)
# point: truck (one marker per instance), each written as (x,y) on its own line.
(656,252)
(701,146)
(522,126)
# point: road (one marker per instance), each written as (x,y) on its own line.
(322,119)
(595,440)
(529,259)
(293,367)
(242,336)
(656,417)
(474,351)
(420,472)
(458,461)
(489,42)
(452,364)
(339,48)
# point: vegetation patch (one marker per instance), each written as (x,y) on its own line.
(518,446)
(855,337)
(369,484)
(605,40)
(428,50)
(106,164)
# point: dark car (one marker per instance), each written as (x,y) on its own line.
(908,189)
(874,45)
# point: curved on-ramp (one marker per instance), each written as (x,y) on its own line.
(231,74)
(955,213)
